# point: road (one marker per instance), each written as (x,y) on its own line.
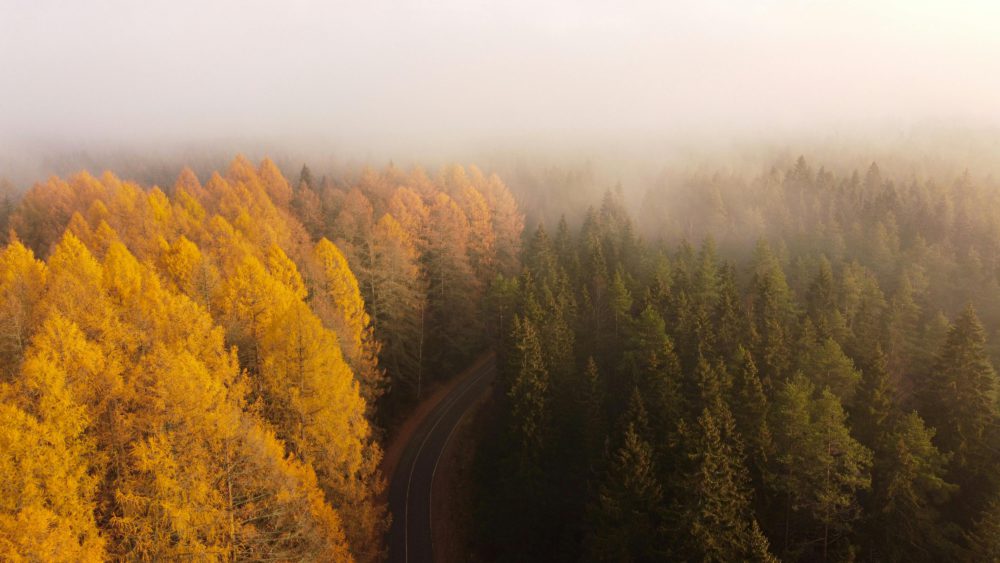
(410,488)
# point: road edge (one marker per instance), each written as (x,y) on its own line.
(396,445)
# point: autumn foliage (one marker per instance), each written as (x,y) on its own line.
(192,374)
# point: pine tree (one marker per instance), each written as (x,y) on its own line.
(820,467)
(590,402)
(771,312)
(658,376)
(908,487)
(959,400)
(826,365)
(624,515)
(720,514)
(821,305)
(730,325)
(876,402)
(528,393)
(984,538)
(750,408)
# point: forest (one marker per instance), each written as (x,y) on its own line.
(792,365)
(207,372)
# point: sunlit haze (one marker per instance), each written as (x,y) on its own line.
(397,77)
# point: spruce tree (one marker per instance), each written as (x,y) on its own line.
(624,516)
(719,515)
(528,393)
(984,538)
(908,489)
(959,400)
(820,469)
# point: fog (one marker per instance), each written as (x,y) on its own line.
(442,79)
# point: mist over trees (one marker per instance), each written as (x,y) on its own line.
(795,364)
(812,379)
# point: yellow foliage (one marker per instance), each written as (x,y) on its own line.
(178,263)
(80,229)
(22,283)
(187,183)
(129,409)
(46,490)
(74,287)
(340,285)
(407,207)
(89,376)
(275,184)
(283,269)
(315,403)
(104,236)
(44,516)
(482,249)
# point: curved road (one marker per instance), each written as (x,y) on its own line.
(410,489)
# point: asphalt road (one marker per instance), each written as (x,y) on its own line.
(410,489)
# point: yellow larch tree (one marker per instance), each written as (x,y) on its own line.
(190,485)
(181,464)
(508,224)
(44,516)
(315,402)
(48,460)
(187,181)
(454,292)
(43,213)
(74,289)
(309,393)
(397,293)
(179,261)
(482,239)
(339,303)
(412,214)
(22,283)
(281,267)
(354,220)
(275,184)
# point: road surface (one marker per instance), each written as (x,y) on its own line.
(410,489)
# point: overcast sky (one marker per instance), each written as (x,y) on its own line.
(407,74)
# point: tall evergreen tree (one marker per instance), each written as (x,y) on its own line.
(960,401)
(624,517)
(820,469)
(720,516)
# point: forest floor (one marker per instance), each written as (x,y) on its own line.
(396,444)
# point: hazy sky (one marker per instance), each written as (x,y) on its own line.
(405,75)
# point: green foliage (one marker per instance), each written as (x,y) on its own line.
(959,400)
(820,468)
(624,515)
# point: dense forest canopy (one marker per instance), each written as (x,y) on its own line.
(513,281)
(201,372)
(793,364)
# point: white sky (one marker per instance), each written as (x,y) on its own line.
(401,74)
